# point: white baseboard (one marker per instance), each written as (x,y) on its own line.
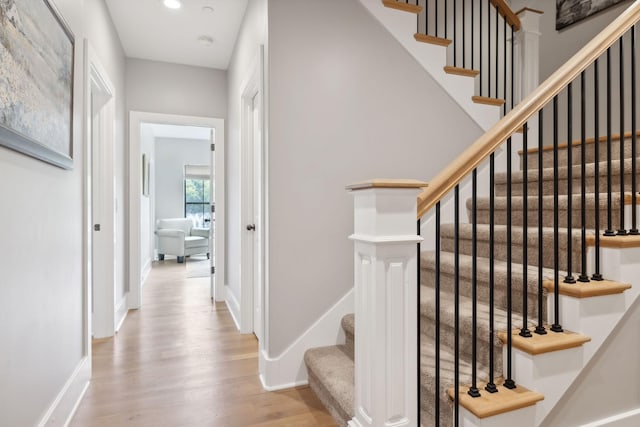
(233,305)
(288,369)
(626,419)
(122,308)
(66,402)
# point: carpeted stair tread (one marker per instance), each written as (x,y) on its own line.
(517,179)
(465,233)
(348,324)
(331,376)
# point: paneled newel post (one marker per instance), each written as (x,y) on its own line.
(386,262)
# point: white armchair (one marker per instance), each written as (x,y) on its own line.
(178,237)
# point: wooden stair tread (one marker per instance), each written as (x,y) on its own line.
(459,71)
(405,7)
(594,288)
(539,344)
(425,38)
(487,100)
(617,242)
(490,404)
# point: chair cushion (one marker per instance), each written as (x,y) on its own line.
(184,224)
(195,242)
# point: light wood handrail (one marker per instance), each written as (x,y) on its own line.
(471,158)
(507,13)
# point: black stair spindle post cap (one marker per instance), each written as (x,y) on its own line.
(510,384)
(525,333)
(569,279)
(609,233)
(491,388)
(597,277)
(540,330)
(583,278)
(473,392)
(556,328)
(621,232)
(634,232)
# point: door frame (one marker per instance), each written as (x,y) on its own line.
(96,80)
(252,87)
(136,118)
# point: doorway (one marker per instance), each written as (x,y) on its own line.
(103,316)
(142,233)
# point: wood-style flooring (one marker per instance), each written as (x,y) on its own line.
(180,361)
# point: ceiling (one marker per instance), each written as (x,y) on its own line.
(148,30)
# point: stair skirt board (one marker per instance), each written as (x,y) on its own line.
(65,405)
(288,369)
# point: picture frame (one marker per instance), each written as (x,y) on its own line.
(37,49)
(568,12)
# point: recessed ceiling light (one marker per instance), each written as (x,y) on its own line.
(207,9)
(205,40)
(172,4)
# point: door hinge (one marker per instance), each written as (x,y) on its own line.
(213,270)
(213,208)
(96,227)
(213,147)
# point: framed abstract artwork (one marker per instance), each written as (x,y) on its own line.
(569,12)
(36,81)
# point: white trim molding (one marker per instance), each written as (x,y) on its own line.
(288,369)
(68,399)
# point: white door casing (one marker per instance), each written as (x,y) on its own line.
(136,118)
(212,198)
(100,204)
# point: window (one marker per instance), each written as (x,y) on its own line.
(197,204)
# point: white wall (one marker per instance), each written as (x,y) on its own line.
(253,33)
(41,288)
(608,385)
(171,156)
(147,204)
(347,103)
(160,87)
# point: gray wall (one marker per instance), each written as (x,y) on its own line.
(171,154)
(347,103)
(41,262)
(160,87)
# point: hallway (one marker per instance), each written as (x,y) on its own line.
(181,362)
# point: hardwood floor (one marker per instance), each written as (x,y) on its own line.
(180,361)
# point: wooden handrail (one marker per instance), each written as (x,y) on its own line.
(471,158)
(507,13)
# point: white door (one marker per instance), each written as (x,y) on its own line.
(256,179)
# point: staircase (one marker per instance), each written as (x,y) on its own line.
(535,240)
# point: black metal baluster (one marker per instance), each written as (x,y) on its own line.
(489,48)
(497,52)
(540,329)
(524,331)
(634,136)
(464,35)
(569,277)
(596,82)
(446,19)
(509,382)
(437,340)
(419,340)
(455,33)
(512,66)
(426,17)
(583,277)
(504,66)
(473,390)
(436,15)
(491,385)
(456,315)
(621,230)
(556,327)
(472,34)
(481,34)
(609,231)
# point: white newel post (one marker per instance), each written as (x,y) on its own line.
(527,58)
(386,262)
